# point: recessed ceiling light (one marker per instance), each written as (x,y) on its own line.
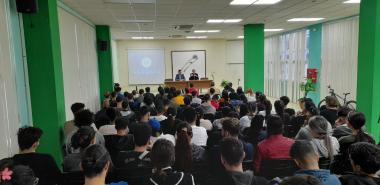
(240,37)
(196,37)
(232,20)
(139,31)
(352,2)
(272,30)
(242,2)
(213,31)
(136,21)
(266,2)
(224,20)
(215,21)
(305,19)
(142,38)
(206,31)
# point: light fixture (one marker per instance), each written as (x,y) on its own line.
(142,38)
(273,30)
(266,2)
(206,31)
(305,19)
(224,20)
(136,21)
(352,2)
(242,2)
(240,37)
(196,37)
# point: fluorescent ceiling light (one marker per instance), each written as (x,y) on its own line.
(272,30)
(144,38)
(240,37)
(206,31)
(139,31)
(305,19)
(242,2)
(196,37)
(352,2)
(136,21)
(224,20)
(266,2)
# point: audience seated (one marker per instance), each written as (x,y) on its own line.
(142,117)
(286,101)
(195,99)
(140,156)
(109,129)
(83,138)
(306,157)
(205,123)
(255,133)
(160,113)
(301,180)
(341,123)
(148,93)
(245,115)
(163,156)
(276,146)
(140,97)
(331,110)
(232,155)
(11,174)
(199,133)
(43,165)
(215,101)
(70,125)
(279,108)
(168,126)
(178,98)
(206,105)
(121,141)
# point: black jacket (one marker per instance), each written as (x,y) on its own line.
(359,180)
(242,178)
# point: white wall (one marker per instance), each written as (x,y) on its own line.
(79,62)
(216,61)
(9,118)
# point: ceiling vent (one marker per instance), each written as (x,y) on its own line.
(183,27)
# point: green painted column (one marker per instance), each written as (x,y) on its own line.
(43,50)
(104,60)
(315,54)
(254,57)
(368,87)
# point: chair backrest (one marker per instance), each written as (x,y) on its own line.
(277,168)
(72,178)
(324,163)
(134,176)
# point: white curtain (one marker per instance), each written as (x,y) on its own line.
(339,57)
(285,64)
(79,62)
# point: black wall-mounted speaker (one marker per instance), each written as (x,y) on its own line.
(27,6)
(103,45)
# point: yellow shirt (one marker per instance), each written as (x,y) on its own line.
(179,100)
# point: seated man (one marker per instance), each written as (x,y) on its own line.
(122,141)
(286,101)
(306,158)
(140,156)
(179,76)
(232,155)
(276,146)
(193,75)
(341,123)
(301,180)
(43,165)
(70,125)
(199,133)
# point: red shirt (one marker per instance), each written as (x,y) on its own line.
(215,104)
(275,147)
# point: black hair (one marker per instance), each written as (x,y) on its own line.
(126,93)
(147,89)
(75,107)
(183,148)
(232,151)
(119,99)
(134,92)
(187,100)
(101,120)
(117,89)
(225,95)
(143,111)
(301,180)
(257,124)
(301,149)
(194,93)
(206,97)
(225,111)
(94,160)
(189,115)
(83,137)
(357,121)
(239,90)
(200,115)
(148,100)
(142,133)
(121,123)
(111,113)
(125,105)
(171,113)
(215,97)
(285,100)
(141,91)
(234,96)
(275,125)
(279,107)
(268,107)
(311,108)
(113,94)
(367,156)
(161,90)
(21,175)
(83,118)
(243,110)
(27,136)
(212,90)
(343,111)
(191,85)
(162,155)
(231,125)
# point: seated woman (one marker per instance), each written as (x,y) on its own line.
(83,138)
(11,174)
(163,156)
(331,110)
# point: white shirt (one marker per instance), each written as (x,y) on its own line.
(196,100)
(205,124)
(159,118)
(199,136)
(108,130)
(245,122)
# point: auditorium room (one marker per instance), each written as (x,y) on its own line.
(189,92)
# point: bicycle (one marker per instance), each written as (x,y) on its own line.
(350,104)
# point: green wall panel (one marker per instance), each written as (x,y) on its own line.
(315,54)
(104,60)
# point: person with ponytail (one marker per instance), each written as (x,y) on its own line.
(163,157)
(83,138)
(279,107)
(11,174)
(168,126)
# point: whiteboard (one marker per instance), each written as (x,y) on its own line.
(188,60)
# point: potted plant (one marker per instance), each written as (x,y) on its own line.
(307,86)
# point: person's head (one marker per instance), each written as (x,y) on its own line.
(243,110)
(95,162)
(119,99)
(113,95)
(239,90)
(310,109)
(215,97)
(147,89)
(83,118)
(285,100)
(148,100)
(234,96)
(301,180)
(142,133)
(365,158)
(161,90)
(83,138)
(162,155)
(126,93)
(121,125)
(257,123)
(232,153)
(206,98)
(124,105)
(117,89)
(183,153)
(111,114)
(11,174)
(141,91)
(29,138)
(318,126)
(187,100)
(144,113)
(356,121)
(193,70)
(76,107)
(190,115)
(230,127)
(194,94)
(268,107)
(134,92)
(179,71)
(343,115)
(279,107)
(225,95)
(275,125)
(226,111)
(212,91)
(332,101)
(304,154)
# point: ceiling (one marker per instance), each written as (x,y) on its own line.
(168,13)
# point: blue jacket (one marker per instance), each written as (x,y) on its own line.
(323,175)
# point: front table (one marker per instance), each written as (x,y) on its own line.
(198,84)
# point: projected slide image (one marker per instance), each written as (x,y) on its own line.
(146,66)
